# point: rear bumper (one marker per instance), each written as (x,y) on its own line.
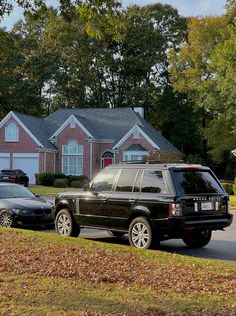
(176,227)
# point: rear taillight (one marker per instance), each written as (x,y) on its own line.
(175,209)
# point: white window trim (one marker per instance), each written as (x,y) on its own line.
(13,115)
(82,164)
(78,155)
(141,132)
(7,139)
(67,122)
(130,153)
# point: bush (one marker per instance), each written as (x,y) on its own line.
(82,179)
(228,188)
(59,175)
(234,189)
(61,183)
(45,178)
(76,184)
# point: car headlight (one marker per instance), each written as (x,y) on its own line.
(21,212)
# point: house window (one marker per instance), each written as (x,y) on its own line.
(11,133)
(72,158)
(135,152)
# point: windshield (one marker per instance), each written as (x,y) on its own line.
(14,191)
(196,182)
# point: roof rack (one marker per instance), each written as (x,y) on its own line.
(153,161)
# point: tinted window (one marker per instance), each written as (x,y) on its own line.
(10,191)
(126,180)
(153,182)
(196,182)
(137,184)
(104,180)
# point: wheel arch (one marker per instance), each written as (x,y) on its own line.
(137,212)
(60,207)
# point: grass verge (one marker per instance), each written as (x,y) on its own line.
(43,274)
(45,190)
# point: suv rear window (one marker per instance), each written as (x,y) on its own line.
(195,182)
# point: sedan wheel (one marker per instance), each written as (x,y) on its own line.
(65,224)
(6,219)
(141,233)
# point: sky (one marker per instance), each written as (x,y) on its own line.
(185,8)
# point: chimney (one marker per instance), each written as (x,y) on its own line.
(140,111)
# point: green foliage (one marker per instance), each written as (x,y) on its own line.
(205,70)
(61,183)
(76,184)
(228,188)
(234,189)
(82,179)
(59,175)
(45,178)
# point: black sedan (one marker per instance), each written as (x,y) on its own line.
(20,207)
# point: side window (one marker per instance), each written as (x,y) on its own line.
(126,180)
(153,182)
(104,180)
(138,181)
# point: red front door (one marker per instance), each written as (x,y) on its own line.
(107,162)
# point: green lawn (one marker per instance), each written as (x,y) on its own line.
(233,198)
(44,190)
(46,274)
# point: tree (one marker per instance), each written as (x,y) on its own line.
(194,71)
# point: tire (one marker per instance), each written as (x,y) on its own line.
(197,239)
(6,219)
(65,224)
(141,234)
(115,234)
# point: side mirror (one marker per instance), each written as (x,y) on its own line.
(37,195)
(86,187)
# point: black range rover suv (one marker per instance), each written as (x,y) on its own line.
(150,202)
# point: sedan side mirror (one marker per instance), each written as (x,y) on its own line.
(86,187)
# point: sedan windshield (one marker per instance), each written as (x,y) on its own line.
(14,191)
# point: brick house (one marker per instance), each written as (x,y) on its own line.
(79,141)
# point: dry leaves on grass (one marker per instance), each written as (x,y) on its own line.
(21,254)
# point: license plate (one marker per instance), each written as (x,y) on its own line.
(206,206)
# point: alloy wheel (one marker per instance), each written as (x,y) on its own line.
(140,235)
(5,219)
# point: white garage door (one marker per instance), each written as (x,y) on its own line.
(4,161)
(29,163)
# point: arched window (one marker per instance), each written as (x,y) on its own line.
(11,133)
(72,158)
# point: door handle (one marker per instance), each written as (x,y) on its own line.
(132,201)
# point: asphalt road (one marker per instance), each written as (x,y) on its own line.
(222,245)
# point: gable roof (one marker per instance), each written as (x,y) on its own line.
(101,123)
(39,128)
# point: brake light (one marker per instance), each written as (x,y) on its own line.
(175,209)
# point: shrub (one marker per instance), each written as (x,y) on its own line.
(76,184)
(234,188)
(59,175)
(61,183)
(45,178)
(228,188)
(83,179)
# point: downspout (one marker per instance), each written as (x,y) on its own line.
(45,161)
(91,159)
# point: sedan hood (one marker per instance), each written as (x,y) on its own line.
(26,203)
